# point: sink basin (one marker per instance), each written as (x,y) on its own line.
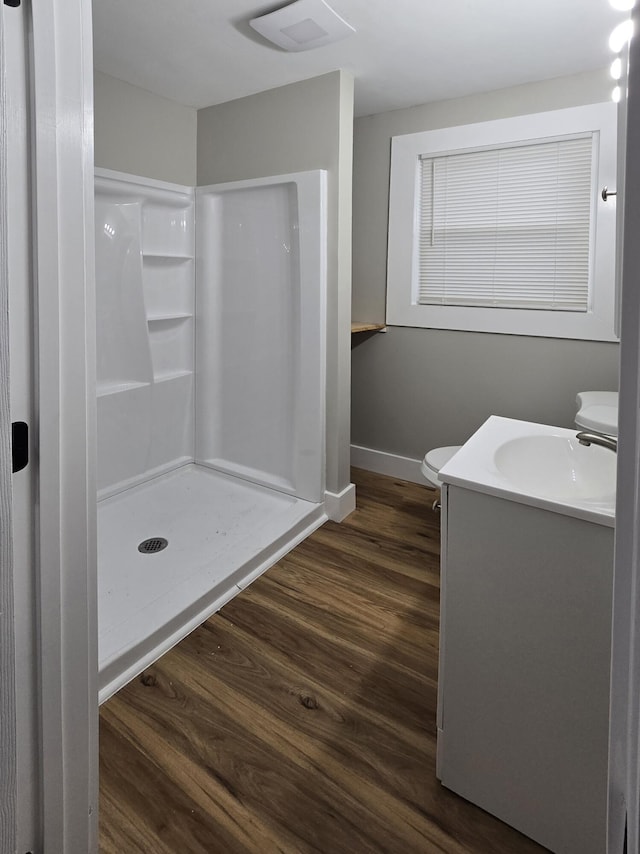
(558,467)
(538,465)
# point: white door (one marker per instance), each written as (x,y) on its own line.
(48,730)
(18,237)
(8,749)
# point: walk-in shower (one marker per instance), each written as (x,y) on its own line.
(211,398)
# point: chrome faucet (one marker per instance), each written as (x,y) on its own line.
(587,438)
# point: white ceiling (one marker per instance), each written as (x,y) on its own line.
(404,52)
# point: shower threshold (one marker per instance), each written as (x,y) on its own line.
(221,533)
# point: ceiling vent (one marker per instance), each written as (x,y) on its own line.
(302,25)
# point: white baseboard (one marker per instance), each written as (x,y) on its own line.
(338,505)
(393,465)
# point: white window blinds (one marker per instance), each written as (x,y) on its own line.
(507,227)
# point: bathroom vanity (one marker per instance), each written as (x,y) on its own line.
(525,632)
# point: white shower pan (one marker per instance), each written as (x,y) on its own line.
(211,398)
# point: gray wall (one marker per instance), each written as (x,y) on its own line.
(306,125)
(415,389)
(143,134)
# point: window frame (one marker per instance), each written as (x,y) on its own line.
(597,323)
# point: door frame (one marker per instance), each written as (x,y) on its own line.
(624,735)
(65,423)
(66,531)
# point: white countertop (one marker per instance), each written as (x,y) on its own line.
(476,466)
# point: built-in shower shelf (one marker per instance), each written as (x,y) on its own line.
(169,318)
(165,376)
(163,258)
(105,388)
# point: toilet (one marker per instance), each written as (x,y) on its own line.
(597,411)
(434,460)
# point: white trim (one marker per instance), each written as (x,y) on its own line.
(393,465)
(66,530)
(624,726)
(338,505)
(402,307)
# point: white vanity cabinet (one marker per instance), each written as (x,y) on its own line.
(524,666)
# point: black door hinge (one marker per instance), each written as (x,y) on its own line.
(14,3)
(19,445)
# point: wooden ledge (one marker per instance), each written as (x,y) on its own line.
(366,327)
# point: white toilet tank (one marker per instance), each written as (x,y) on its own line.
(598,410)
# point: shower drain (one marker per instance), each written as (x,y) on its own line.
(153,545)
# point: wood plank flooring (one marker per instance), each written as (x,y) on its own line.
(301,718)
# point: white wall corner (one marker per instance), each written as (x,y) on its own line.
(393,465)
(338,505)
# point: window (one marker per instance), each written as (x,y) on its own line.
(500,227)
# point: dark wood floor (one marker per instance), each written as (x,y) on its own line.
(301,718)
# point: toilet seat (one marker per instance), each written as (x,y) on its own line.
(434,460)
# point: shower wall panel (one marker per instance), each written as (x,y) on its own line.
(145,281)
(260,353)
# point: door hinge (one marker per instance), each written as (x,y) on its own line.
(19,445)
(14,3)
